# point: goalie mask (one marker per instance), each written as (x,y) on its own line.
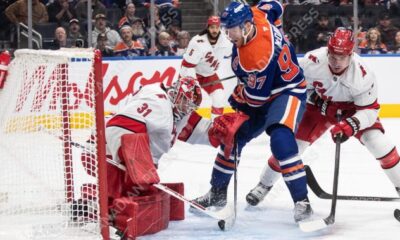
(185,95)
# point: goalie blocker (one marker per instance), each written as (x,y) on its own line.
(136,207)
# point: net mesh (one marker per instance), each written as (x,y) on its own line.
(47,119)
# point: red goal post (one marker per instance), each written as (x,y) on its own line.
(51,100)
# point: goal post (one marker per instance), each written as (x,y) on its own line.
(51,103)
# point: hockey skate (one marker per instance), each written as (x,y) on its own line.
(257,194)
(302,210)
(216,197)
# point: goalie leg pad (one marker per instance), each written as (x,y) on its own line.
(138,216)
(137,158)
(177,207)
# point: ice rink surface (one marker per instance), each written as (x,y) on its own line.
(360,174)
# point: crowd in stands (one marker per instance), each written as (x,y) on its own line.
(309,25)
(122,27)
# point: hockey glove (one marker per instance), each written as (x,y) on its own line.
(345,129)
(224,129)
(323,105)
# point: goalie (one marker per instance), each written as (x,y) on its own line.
(147,127)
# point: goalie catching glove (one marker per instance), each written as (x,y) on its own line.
(224,129)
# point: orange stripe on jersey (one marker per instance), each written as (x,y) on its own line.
(292,169)
(303,84)
(291,113)
(257,53)
(127,123)
(225,163)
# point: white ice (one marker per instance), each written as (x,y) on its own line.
(360,174)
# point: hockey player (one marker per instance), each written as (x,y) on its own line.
(272,91)
(338,79)
(162,114)
(202,58)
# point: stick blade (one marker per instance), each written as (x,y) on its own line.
(312,226)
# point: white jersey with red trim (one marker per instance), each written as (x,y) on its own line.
(204,57)
(149,110)
(357,84)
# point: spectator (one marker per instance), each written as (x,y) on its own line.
(60,40)
(129,15)
(100,26)
(75,35)
(106,51)
(318,36)
(128,47)
(81,10)
(395,47)
(372,43)
(168,12)
(160,27)
(183,39)
(60,11)
(140,34)
(164,45)
(386,28)
(173,29)
(18,12)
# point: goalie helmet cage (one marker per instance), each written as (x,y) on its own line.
(51,100)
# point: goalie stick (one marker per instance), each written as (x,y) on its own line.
(222,215)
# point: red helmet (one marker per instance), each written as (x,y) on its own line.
(341,42)
(213,20)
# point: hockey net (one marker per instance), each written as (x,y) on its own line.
(51,105)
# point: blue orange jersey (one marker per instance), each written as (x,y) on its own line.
(273,11)
(267,64)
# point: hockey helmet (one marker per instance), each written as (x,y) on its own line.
(185,95)
(341,42)
(236,14)
(213,20)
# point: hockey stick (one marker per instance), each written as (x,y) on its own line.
(224,224)
(217,81)
(319,192)
(319,224)
(219,215)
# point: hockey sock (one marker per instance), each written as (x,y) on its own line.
(284,148)
(223,169)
